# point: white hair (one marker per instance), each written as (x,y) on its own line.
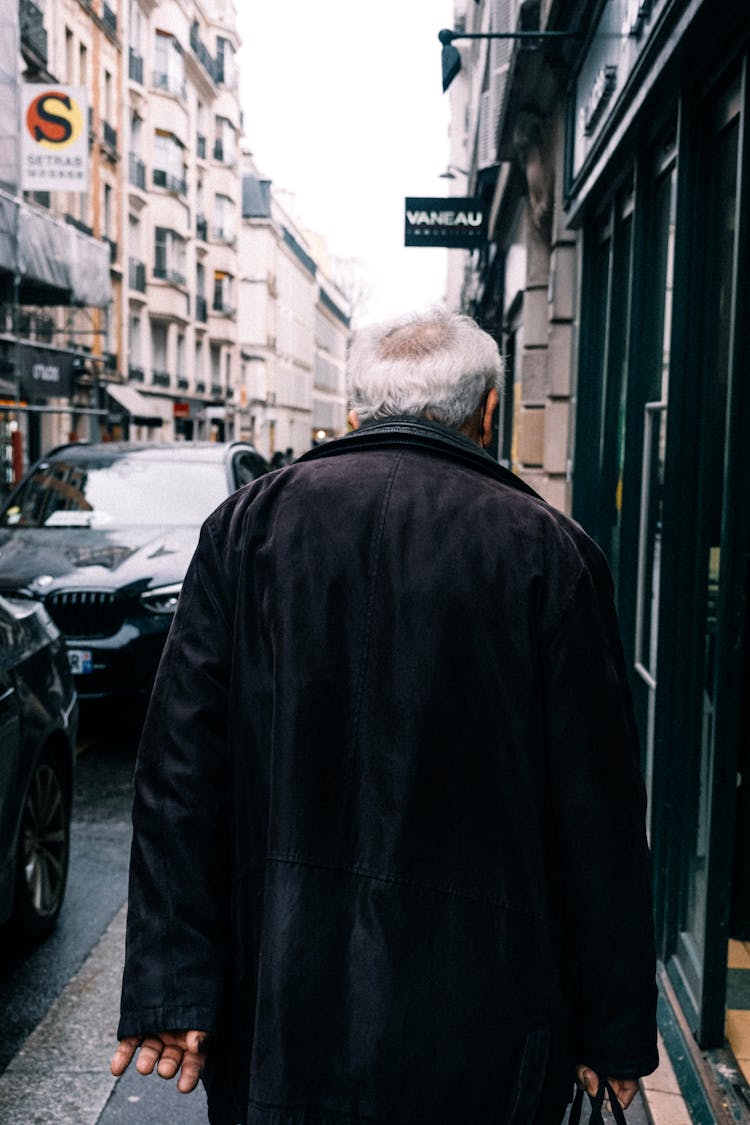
(436,364)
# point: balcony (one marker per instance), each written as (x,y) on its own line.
(110,136)
(161,378)
(202,53)
(201,309)
(225,235)
(169,181)
(200,146)
(201,228)
(136,275)
(136,172)
(164,273)
(33,33)
(109,18)
(171,84)
(135,67)
(136,374)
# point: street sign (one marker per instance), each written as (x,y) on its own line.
(54,138)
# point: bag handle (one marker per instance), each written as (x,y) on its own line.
(597,1104)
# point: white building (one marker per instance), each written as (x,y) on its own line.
(294,328)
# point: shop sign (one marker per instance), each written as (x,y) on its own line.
(181,409)
(54,138)
(455,222)
(616,45)
(46,372)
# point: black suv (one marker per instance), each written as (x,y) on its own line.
(103,534)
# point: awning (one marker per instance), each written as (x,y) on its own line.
(135,404)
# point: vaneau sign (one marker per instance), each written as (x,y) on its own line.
(455,222)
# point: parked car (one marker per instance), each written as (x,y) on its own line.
(38,723)
(102,535)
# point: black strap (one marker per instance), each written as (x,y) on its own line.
(597,1104)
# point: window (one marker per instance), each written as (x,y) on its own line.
(69,56)
(225,144)
(222,292)
(169,65)
(108,211)
(134,339)
(226,67)
(169,256)
(83,65)
(224,219)
(169,168)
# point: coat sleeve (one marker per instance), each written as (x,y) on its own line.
(599,807)
(177,927)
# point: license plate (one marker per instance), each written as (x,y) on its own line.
(80,661)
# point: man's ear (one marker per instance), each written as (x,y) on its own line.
(490,406)
(353,420)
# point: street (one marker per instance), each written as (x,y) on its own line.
(60,1000)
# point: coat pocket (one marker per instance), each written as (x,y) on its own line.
(530,1075)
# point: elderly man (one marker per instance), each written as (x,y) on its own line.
(389,860)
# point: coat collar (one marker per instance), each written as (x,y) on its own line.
(408,431)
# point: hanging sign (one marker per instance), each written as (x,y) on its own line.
(45,371)
(456,222)
(54,138)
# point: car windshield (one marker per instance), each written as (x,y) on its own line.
(115,492)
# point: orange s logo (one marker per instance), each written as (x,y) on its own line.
(54,119)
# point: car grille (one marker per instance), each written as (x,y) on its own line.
(86,613)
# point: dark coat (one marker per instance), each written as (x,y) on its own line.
(389,823)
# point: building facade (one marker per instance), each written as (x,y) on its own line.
(616,281)
(294,328)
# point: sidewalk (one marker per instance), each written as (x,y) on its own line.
(61,1074)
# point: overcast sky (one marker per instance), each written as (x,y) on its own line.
(343,107)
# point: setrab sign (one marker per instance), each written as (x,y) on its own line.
(455,222)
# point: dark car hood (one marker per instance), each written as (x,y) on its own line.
(91,558)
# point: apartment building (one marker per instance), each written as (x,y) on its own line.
(183,220)
(294,327)
(58,249)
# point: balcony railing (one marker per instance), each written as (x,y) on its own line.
(201,228)
(171,83)
(136,275)
(163,273)
(33,33)
(135,67)
(136,374)
(161,378)
(200,146)
(201,309)
(167,180)
(136,171)
(84,228)
(110,135)
(202,53)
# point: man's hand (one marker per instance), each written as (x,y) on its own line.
(169,1052)
(624,1088)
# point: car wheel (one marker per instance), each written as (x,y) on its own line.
(43,849)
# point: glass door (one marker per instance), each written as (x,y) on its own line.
(712,685)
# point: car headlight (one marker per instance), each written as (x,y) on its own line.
(162,599)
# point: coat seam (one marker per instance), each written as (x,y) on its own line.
(369,616)
(400,880)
